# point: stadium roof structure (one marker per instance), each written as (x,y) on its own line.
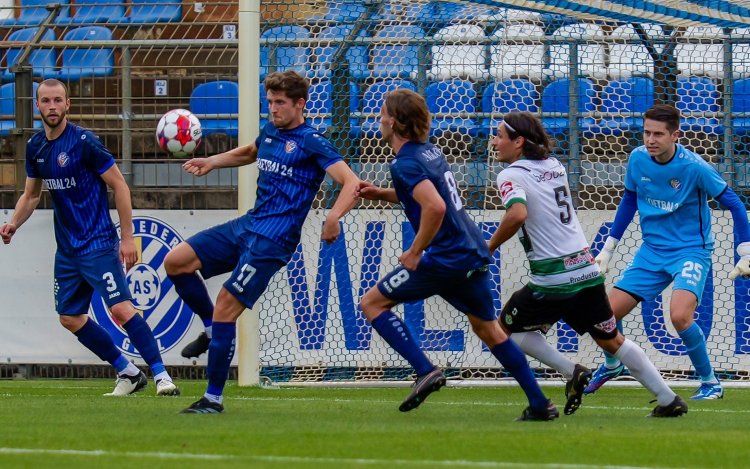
(722,13)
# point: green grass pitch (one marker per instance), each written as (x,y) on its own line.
(68,423)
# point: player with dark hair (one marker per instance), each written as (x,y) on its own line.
(73,165)
(669,186)
(293,158)
(565,281)
(448,256)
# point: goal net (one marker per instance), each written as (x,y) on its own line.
(589,78)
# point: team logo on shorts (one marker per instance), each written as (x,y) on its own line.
(63,159)
(675,183)
(290,146)
(152,291)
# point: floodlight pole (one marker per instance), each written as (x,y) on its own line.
(248,325)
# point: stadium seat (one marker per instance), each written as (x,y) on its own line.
(623,105)
(437,14)
(155,11)
(695,96)
(43,61)
(216,97)
(506,96)
(319,106)
(6,10)
(372,102)
(394,60)
(284,57)
(524,58)
(8,107)
(33,12)
(94,61)
(96,11)
(741,104)
(343,11)
(741,53)
(357,56)
(633,58)
(590,55)
(452,97)
(399,11)
(556,99)
(701,59)
(465,60)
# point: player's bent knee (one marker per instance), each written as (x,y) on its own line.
(73,323)
(181,260)
(122,312)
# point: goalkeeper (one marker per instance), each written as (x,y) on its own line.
(669,186)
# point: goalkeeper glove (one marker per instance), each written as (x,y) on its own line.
(606,253)
(743,265)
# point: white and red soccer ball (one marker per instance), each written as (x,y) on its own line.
(178,132)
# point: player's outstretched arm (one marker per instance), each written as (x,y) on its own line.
(370,191)
(25,206)
(114,179)
(239,156)
(514,218)
(730,200)
(346,200)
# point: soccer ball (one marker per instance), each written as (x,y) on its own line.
(179,132)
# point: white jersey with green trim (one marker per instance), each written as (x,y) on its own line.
(559,256)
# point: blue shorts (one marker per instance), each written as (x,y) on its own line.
(468,291)
(76,278)
(652,271)
(252,259)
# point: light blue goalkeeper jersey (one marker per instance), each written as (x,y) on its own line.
(673,198)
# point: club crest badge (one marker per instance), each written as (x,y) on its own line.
(290,146)
(152,291)
(63,159)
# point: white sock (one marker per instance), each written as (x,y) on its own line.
(130,370)
(535,345)
(632,356)
(214,398)
(162,375)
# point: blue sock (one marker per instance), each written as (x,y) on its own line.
(193,292)
(695,343)
(395,332)
(95,338)
(220,353)
(513,360)
(143,340)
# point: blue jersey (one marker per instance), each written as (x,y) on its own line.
(70,167)
(673,198)
(458,244)
(291,166)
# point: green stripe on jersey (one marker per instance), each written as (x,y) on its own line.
(567,287)
(558,265)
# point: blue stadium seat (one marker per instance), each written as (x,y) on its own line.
(372,102)
(8,107)
(343,11)
(741,103)
(319,104)
(436,14)
(698,95)
(356,56)
(216,97)
(87,62)
(287,57)
(625,101)
(399,11)
(396,60)
(96,11)
(155,11)
(452,96)
(555,98)
(507,96)
(33,12)
(43,61)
